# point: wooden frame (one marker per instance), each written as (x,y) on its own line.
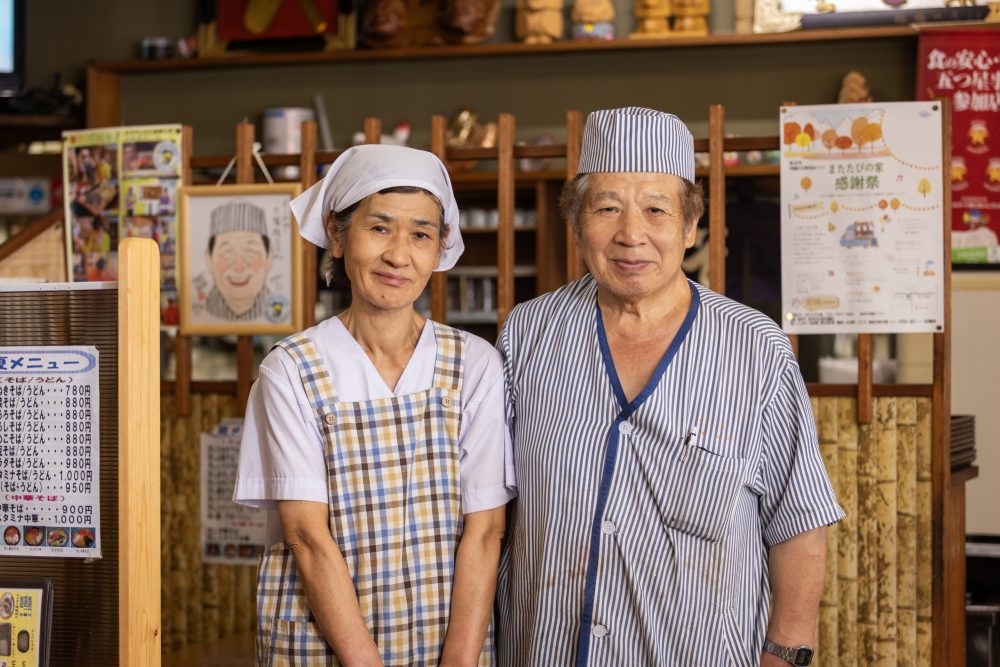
(272,316)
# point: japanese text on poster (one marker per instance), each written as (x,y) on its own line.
(231,533)
(862,218)
(964,65)
(122,182)
(50,452)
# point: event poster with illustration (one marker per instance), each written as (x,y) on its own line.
(122,182)
(862,218)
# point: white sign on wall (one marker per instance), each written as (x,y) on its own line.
(862,218)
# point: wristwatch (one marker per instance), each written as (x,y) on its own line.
(800,656)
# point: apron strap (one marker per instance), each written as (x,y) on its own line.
(448,360)
(313,373)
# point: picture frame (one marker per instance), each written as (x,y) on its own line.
(239,260)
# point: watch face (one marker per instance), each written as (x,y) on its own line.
(803,656)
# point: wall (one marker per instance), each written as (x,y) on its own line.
(752,81)
(975,371)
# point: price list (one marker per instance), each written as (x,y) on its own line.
(50,452)
(230,533)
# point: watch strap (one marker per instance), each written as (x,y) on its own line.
(792,655)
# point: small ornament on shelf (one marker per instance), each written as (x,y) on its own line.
(468,21)
(652,19)
(539,21)
(854,89)
(592,19)
(690,18)
(465,131)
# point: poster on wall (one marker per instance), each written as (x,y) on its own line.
(964,66)
(230,533)
(49,442)
(25,621)
(122,182)
(862,218)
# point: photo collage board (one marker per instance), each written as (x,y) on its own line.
(122,182)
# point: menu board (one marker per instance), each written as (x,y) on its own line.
(862,218)
(25,622)
(231,533)
(50,451)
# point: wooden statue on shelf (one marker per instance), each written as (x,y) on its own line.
(854,89)
(592,19)
(539,21)
(652,18)
(690,18)
(468,21)
(415,23)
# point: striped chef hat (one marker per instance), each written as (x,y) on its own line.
(238,216)
(634,139)
(364,170)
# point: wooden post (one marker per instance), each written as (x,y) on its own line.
(864,378)
(574,142)
(439,279)
(716,200)
(104,98)
(182,346)
(949,543)
(244,344)
(307,176)
(505,210)
(139,452)
(373,131)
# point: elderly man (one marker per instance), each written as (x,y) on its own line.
(671,485)
(239,257)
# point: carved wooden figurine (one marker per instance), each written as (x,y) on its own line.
(384,21)
(592,19)
(690,18)
(854,89)
(468,21)
(539,21)
(652,18)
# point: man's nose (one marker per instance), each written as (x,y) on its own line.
(630,226)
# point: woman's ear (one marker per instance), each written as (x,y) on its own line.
(336,245)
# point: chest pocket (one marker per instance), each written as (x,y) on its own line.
(700,491)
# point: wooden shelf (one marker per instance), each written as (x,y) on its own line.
(495,50)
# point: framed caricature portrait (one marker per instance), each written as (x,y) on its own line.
(239,254)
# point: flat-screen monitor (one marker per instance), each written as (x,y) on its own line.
(12,38)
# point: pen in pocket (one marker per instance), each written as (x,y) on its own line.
(689,442)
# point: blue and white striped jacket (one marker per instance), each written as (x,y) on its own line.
(647,524)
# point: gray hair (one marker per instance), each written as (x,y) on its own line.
(333,267)
(575,192)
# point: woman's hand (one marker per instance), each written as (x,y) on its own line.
(474,587)
(327,582)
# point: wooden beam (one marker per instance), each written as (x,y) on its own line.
(104,97)
(865,403)
(506,126)
(716,199)
(138,453)
(373,131)
(574,142)
(949,539)
(244,344)
(439,279)
(182,344)
(307,176)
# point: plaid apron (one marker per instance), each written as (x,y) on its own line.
(395,514)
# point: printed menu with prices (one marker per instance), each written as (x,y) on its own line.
(50,451)
(230,533)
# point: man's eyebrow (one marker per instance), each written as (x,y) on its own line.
(607,194)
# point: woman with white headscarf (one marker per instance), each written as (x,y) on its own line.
(378,436)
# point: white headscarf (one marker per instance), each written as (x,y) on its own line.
(364,170)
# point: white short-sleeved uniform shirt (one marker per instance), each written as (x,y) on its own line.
(282,452)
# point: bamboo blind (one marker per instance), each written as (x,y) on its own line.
(876,606)
(200,602)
